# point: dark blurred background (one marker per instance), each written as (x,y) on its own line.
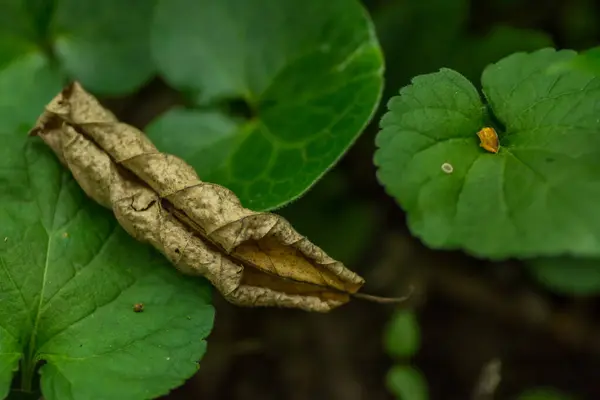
(470,311)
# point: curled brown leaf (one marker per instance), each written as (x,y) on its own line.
(252,258)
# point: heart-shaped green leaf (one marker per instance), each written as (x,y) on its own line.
(537,196)
(70,277)
(309,70)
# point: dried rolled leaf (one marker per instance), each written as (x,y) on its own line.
(252,258)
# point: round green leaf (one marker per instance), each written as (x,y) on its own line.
(105,44)
(309,70)
(537,196)
(402,336)
(567,275)
(407,383)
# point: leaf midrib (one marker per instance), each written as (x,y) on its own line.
(31,353)
(29,361)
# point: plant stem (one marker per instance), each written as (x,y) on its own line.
(27,368)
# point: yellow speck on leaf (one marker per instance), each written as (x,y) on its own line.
(489,139)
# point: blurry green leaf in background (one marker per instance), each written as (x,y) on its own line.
(103,44)
(567,275)
(407,383)
(402,336)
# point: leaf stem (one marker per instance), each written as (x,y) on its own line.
(385,300)
(27,374)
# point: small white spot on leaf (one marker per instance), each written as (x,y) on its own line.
(447,168)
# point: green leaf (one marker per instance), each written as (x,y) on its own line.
(105,44)
(69,276)
(210,135)
(309,70)
(27,83)
(407,383)
(537,196)
(70,279)
(544,394)
(21,18)
(567,275)
(402,336)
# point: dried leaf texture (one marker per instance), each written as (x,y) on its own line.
(253,259)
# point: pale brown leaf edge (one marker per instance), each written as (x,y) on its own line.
(252,258)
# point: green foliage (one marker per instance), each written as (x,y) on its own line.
(312,80)
(509,203)
(309,74)
(70,275)
(402,335)
(407,383)
(309,71)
